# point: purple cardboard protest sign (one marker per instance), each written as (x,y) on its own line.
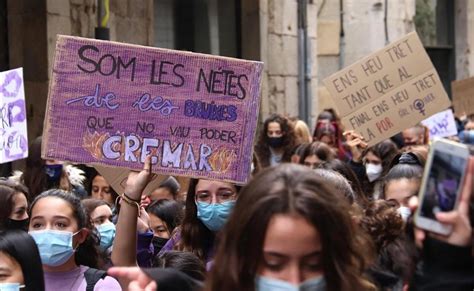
(13,135)
(112,104)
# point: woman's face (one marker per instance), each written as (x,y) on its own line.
(291,250)
(327,139)
(53,213)
(213,192)
(312,161)
(402,190)
(101,189)
(19,207)
(159,227)
(274,130)
(101,215)
(370,158)
(10,270)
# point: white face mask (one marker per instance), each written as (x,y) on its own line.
(404,212)
(373,171)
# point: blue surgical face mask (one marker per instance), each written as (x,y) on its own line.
(55,247)
(107,235)
(53,172)
(269,284)
(11,286)
(214,216)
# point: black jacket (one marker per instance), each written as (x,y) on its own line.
(444,267)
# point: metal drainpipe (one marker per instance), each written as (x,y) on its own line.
(342,43)
(304,65)
(101,32)
(385,21)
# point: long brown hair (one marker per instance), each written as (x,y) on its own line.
(34,177)
(385,150)
(195,236)
(8,190)
(289,189)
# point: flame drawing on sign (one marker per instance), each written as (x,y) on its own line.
(221,159)
(92,142)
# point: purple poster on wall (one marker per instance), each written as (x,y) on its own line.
(13,135)
(113,104)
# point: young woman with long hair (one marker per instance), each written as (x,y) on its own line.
(13,205)
(67,245)
(208,206)
(290,229)
(275,142)
(20,263)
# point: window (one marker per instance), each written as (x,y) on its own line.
(434,21)
(205,26)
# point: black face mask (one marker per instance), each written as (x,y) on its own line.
(17,224)
(275,142)
(53,172)
(158,243)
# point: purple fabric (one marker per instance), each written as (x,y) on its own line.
(74,280)
(145,249)
(169,246)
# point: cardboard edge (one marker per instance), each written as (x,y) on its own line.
(60,41)
(187,53)
(255,107)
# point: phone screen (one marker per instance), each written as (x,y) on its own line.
(443,182)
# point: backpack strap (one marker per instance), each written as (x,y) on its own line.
(92,277)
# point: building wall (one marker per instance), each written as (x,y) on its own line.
(130,21)
(27,32)
(279,52)
(464,38)
(363,23)
(164,24)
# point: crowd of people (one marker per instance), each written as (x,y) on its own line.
(321,211)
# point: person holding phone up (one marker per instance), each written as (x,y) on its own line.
(448,259)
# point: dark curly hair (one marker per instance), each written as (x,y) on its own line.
(382,222)
(262,149)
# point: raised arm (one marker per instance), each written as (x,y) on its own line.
(125,243)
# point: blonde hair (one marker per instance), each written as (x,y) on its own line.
(302,132)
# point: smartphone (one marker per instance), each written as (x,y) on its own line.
(441,185)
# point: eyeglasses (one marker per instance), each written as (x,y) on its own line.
(222,195)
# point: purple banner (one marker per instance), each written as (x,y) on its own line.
(112,104)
